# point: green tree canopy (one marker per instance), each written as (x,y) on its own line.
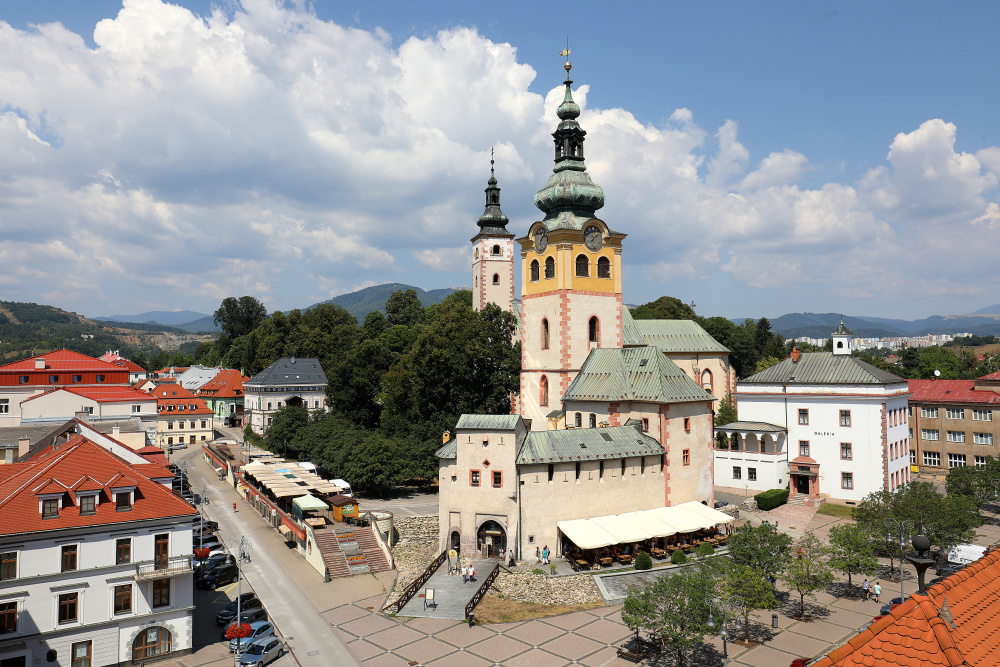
(852,551)
(807,571)
(403,308)
(238,317)
(287,423)
(664,308)
(938,359)
(974,482)
(751,586)
(726,414)
(760,547)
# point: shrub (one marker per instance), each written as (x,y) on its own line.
(678,557)
(704,549)
(768,500)
(538,570)
(643,561)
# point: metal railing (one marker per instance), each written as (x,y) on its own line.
(416,584)
(164,567)
(478,595)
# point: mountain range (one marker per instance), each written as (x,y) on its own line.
(188,320)
(366,300)
(985,322)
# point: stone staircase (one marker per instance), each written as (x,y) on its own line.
(357,559)
(798,499)
(333,557)
(373,550)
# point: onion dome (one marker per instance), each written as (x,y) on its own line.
(493,222)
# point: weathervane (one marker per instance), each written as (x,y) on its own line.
(565,53)
(491,160)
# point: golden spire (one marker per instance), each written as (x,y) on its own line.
(565,54)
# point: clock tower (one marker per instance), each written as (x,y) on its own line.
(571,295)
(492,254)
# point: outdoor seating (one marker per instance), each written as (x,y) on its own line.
(606,561)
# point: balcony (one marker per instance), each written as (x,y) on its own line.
(164,568)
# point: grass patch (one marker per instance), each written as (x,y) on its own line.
(493,609)
(829,509)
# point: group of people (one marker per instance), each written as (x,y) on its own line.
(873,591)
(468,574)
(542,555)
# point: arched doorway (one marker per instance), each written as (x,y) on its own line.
(150,643)
(456,541)
(491,540)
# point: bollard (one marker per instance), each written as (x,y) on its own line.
(472,620)
(774,621)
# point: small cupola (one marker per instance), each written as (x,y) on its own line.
(842,339)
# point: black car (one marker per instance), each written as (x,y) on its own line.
(206,540)
(210,526)
(948,569)
(218,575)
(201,568)
(250,616)
(247,601)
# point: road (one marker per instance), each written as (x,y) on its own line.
(309,636)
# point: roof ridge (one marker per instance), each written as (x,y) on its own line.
(56,459)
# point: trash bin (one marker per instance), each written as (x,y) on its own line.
(472,620)
(774,621)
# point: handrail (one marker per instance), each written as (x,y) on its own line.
(415,585)
(478,595)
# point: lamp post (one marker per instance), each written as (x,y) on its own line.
(996,489)
(905,529)
(202,500)
(242,550)
(731,606)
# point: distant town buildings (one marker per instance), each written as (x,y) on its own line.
(890,343)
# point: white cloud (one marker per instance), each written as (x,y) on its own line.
(443,259)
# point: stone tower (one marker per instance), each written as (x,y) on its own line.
(571,294)
(493,254)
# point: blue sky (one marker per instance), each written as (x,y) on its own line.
(763,157)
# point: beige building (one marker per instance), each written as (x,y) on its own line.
(184,419)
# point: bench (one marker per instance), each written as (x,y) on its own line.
(626,654)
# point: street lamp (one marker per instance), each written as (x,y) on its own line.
(202,500)
(731,606)
(905,529)
(242,551)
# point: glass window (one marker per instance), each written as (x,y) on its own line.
(8,565)
(123,501)
(932,458)
(982,438)
(88,504)
(913,457)
(123,599)
(545,334)
(603,268)
(8,617)
(751,474)
(803,448)
(151,643)
(161,592)
(845,417)
(593,420)
(982,415)
(161,551)
(474,478)
(803,416)
(77,379)
(847,480)
(956,460)
(981,461)
(123,551)
(845,451)
(578,420)
(737,472)
(955,413)
(23,379)
(82,654)
(687,424)
(582,266)
(534,270)
(68,557)
(497,479)
(99,378)
(956,436)
(53,379)
(50,508)
(550,268)
(686,457)
(68,607)
(929,413)
(645,425)
(930,434)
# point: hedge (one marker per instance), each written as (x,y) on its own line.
(678,557)
(704,549)
(643,561)
(768,500)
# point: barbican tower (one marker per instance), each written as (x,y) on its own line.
(492,254)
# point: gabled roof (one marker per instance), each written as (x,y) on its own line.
(99,394)
(841,330)
(633,374)
(991,376)
(63,467)
(586,444)
(196,376)
(170,391)
(489,422)
(823,368)
(448,450)
(228,383)
(631,337)
(290,371)
(950,391)
(60,360)
(676,336)
(921,632)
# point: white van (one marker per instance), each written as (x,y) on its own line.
(963,554)
(346,488)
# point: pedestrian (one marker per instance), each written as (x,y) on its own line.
(234,507)
(510,558)
(465,574)
(472,573)
(545,555)
(538,555)
(864,590)
(878,592)
(775,527)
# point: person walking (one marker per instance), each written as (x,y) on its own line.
(234,507)
(878,592)
(545,555)
(864,590)
(472,573)
(465,574)
(538,555)
(510,558)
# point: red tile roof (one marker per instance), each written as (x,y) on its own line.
(917,632)
(228,383)
(991,376)
(154,470)
(949,391)
(171,391)
(64,466)
(174,395)
(60,360)
(101,394)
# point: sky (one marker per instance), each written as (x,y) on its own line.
(763,158)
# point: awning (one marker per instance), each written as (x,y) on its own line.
(650,523)
(681,519)
(709,513)
(586,534)
(308,502)
(622,529)
(285,530)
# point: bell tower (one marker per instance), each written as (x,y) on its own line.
(842,339)
(493,253)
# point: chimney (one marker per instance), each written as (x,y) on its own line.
(82,416)
(795,355)
(22,446)
(445,437)
(40,364)
(115,431)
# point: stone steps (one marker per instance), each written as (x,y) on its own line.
(333,558)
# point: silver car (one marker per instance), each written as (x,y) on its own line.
(263,651)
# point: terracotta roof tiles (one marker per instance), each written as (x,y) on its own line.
(950,391)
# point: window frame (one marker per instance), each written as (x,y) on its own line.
(603,267)
(645,424)
(123,506)
(82,661)
(160,593)
(956,436)
(550,267)
(122,600)
(751,474)
(123,551)
(929,413)
(8,617)
(848,449)
(47,504)
(545,333)
(475,477)
(804,448)
(8,565)
(932,459)
(686,457)
(950,412)
(957,460)
(847,481)
(982,415)
(533,273)
(497,479)
(982,438)
(845,418)
(88,504)
(69,558)
(68,608)
(930,434)
(582,266)
(737,473)
(803,416)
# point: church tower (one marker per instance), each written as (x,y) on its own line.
(842,339)
(493,254)
(571,283)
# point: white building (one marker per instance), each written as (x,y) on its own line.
(845,422)
(95,560)
(99,403)
(288,381)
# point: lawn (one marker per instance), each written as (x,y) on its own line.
(841,511)
(494,609)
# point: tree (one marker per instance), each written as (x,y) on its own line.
(766,362)
(238,317)
(852,551)
(403,308)
(938,359)
(664,308)
(760,547)
(807,571)
(287,423)
(355,382)
(374,325)
(675,607)
(974,482)
(752,587)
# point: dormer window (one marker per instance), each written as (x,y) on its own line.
(99,378)
(88,504)
(123,501)
(53,379)
(50,508)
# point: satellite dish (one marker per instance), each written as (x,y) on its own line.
(937,373)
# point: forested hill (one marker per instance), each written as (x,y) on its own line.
(364,301)
(31,328)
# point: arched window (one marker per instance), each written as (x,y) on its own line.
(534,270)
(582,266)
(550,267)
(476,253)
(496,278)
(840,344)
(496,250)
(593,420)
(543,391)
(594,329)
(578,420)
(706,380)
(603,268)
(150,643)
(545,333)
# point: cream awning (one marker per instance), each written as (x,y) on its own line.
(709,513)
(650,523)
(586,534)
(622,529)
(682,520)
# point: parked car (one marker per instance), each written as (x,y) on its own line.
(216,552)
(213,560)
(947,569)
(218,575)
(345,488)
(263,651)
(210,525)
(247,602)
(720,503)
(250,616)
(208,539)
(258,629)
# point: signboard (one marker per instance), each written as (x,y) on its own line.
(348,509)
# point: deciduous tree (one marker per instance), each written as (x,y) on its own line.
(852,551)
(238,317)
(751,586)
(760,547)
(807,571)
(403,308)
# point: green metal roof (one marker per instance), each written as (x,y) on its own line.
(448,450)
(630,333)
(633,374)
(586,444)
(308,502)
(678,336)
(489,422)
(823,368)
(762,427)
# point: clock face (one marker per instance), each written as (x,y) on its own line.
(541,240)
(592,237)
